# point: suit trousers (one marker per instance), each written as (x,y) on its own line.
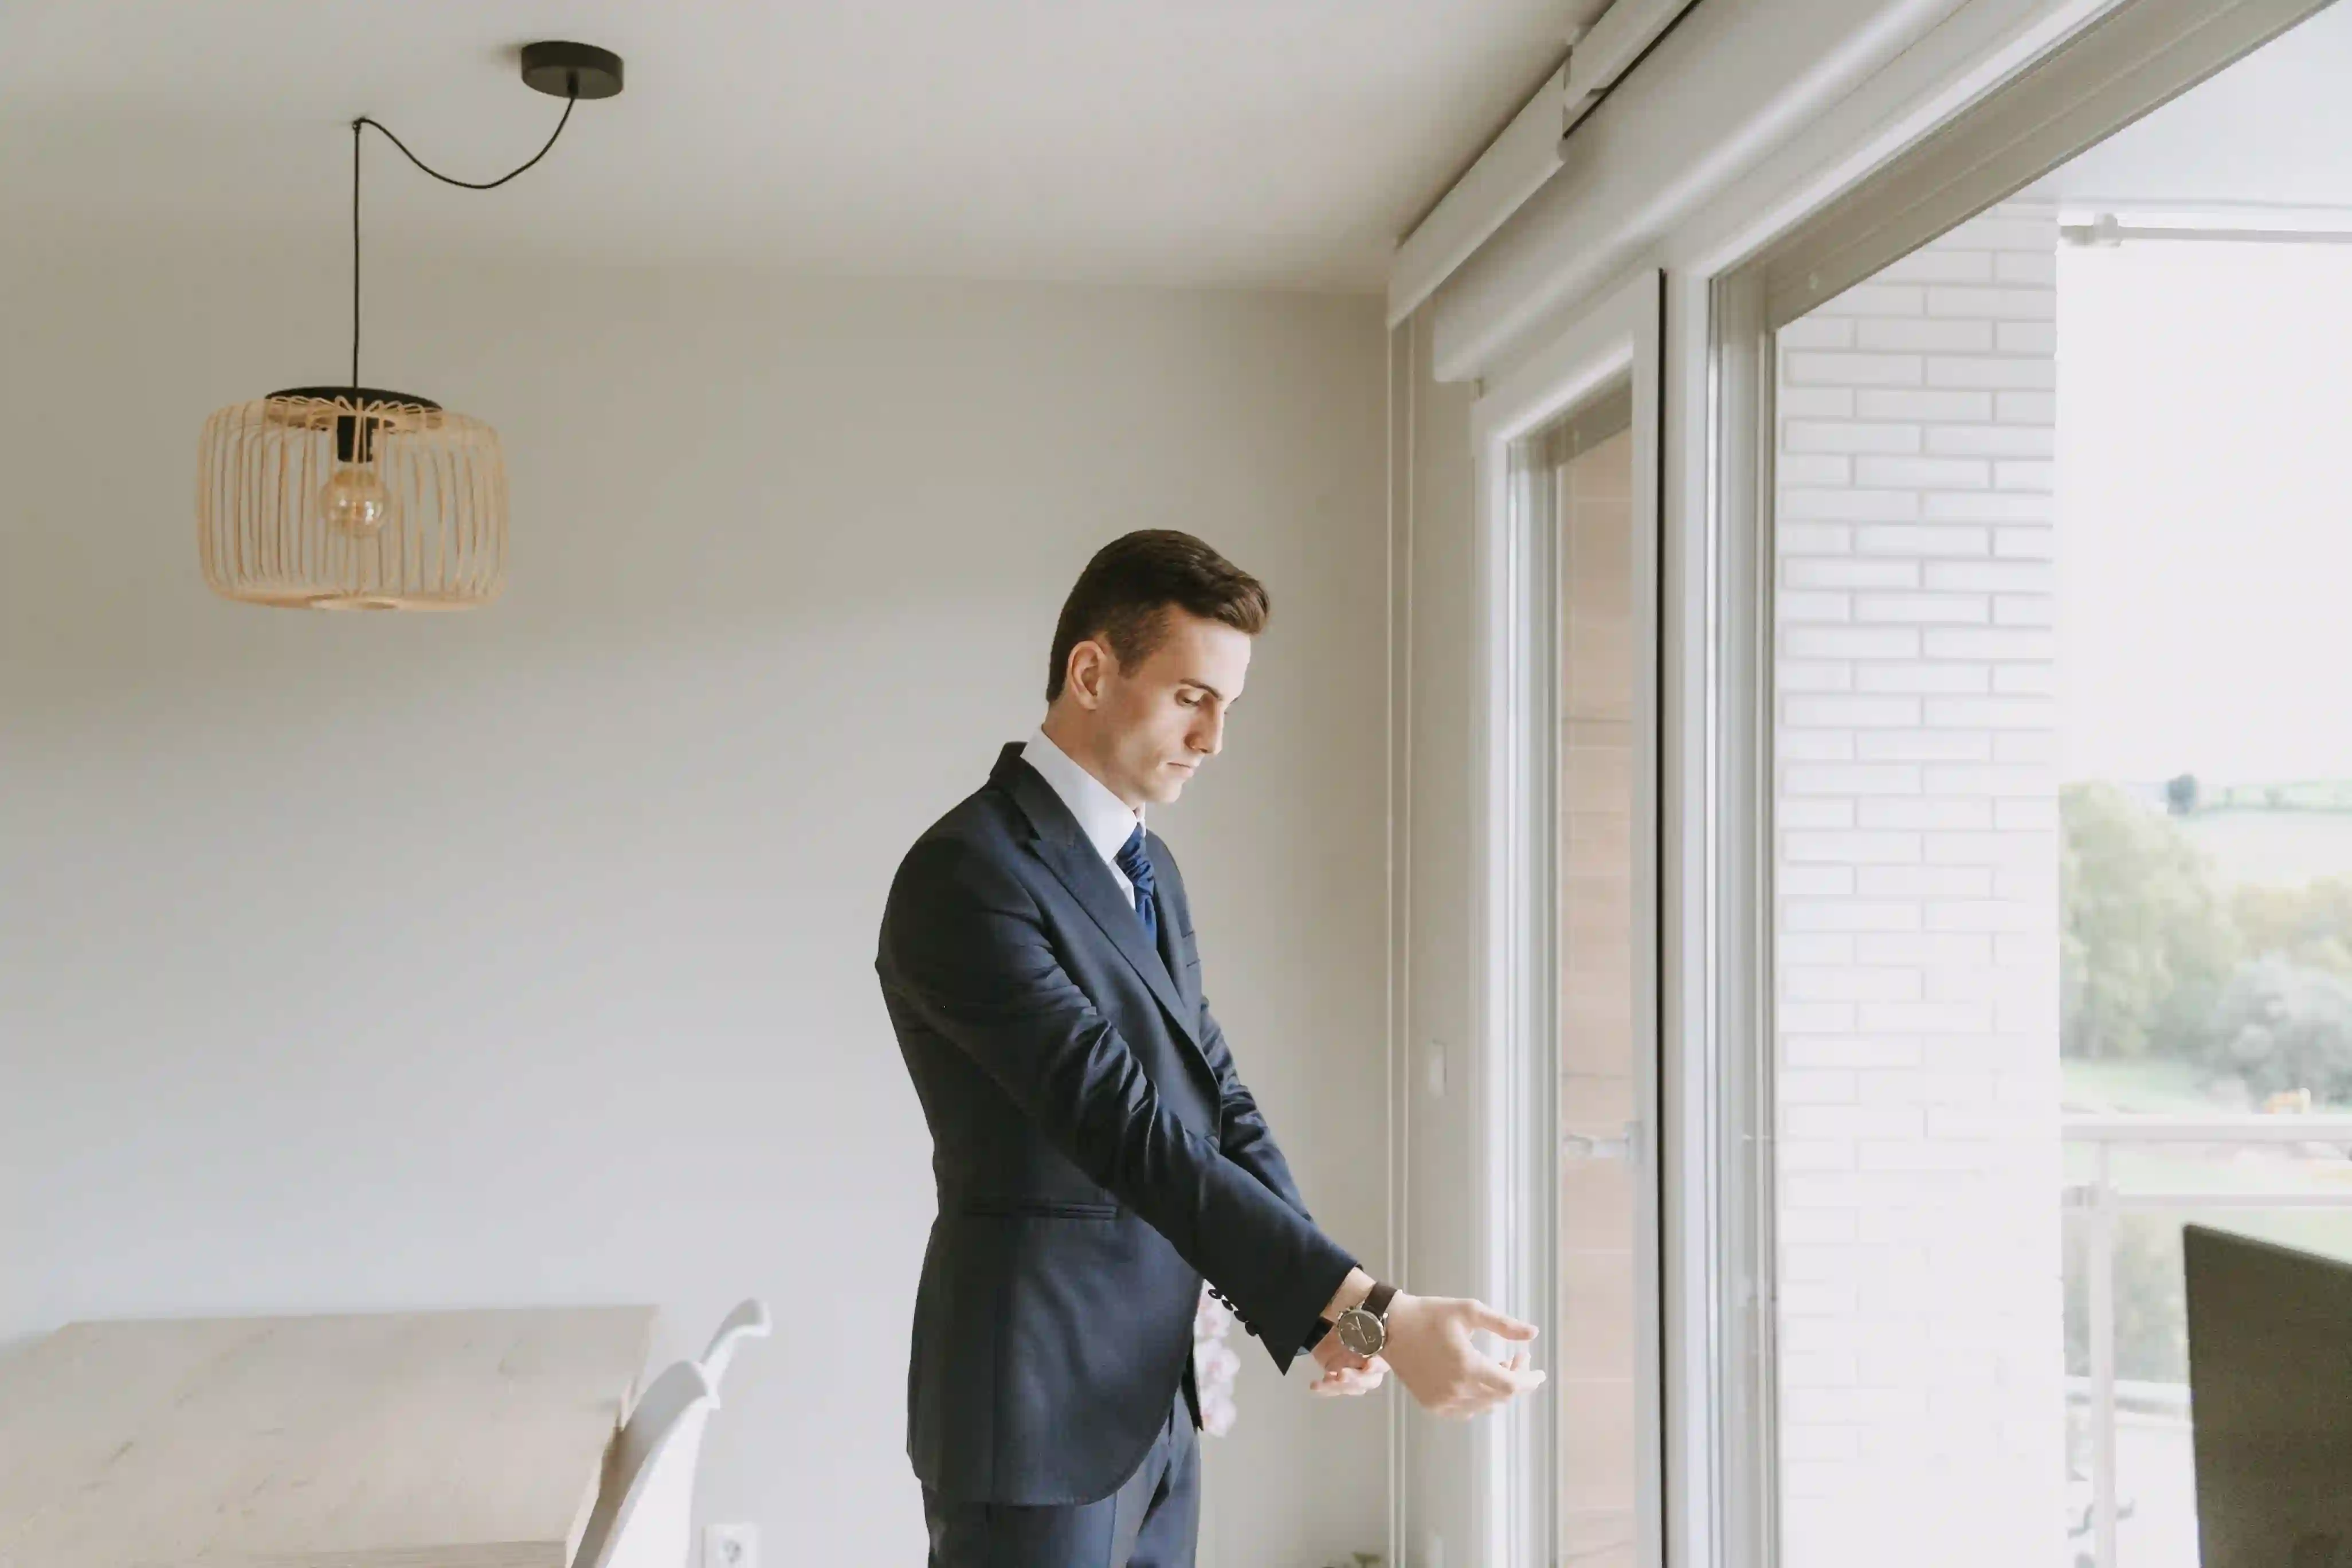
(1153,1521)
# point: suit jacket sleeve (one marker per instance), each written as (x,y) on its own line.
(965,946)
(1249,1143)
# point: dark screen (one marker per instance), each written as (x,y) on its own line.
(2269,1376)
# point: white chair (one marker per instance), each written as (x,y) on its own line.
(644,1516)
(749,1320)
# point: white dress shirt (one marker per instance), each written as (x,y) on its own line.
(1102,816)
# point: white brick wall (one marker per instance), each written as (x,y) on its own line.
(1921,1374)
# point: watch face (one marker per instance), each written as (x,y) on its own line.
(1362,1333)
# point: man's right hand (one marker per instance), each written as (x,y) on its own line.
(1429,1349)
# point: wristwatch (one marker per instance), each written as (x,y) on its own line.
(1364,1327)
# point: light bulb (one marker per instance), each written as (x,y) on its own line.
(355,500)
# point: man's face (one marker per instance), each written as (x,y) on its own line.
(1156,723)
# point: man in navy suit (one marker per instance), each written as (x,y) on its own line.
(1096,1154)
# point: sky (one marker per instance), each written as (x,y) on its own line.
(2205,510)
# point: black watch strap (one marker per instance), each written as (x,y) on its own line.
(1377,1300)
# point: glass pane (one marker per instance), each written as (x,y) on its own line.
(1588,468)
(2064,827)
(2205,813)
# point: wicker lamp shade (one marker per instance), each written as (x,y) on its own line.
(351,499)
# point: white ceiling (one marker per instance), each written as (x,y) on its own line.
(2272,131)
(1284,143)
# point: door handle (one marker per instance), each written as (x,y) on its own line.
(1625,1147)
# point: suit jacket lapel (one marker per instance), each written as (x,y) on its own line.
(1074,862)
(1175,918)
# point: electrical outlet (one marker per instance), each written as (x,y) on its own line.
(731,1546)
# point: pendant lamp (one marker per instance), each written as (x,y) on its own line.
(356,497)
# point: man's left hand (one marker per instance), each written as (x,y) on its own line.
(1345,1371)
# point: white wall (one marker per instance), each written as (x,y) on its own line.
(1920,1391)
(526,957)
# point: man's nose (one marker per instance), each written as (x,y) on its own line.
(1208,736)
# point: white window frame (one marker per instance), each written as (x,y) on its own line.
(1722,1486)
(1514,807)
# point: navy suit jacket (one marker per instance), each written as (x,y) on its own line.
(1094,1153)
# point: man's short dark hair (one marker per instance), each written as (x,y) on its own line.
(1125,589)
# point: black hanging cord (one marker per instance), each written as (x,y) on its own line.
(355,260)
(469,184)
(358,126)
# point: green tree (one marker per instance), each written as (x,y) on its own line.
(2310,924)
(2281,1025)
(2147,939)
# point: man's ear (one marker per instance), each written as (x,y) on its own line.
(1083,681)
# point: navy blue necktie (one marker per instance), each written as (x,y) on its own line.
(1137,865)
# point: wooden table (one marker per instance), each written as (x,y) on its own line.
(401,1440)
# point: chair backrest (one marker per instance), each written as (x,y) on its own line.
(749,1320)
(644,1516)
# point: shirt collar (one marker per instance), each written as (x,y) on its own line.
(1102,816)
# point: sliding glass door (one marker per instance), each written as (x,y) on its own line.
(1571,448)
(2062,885)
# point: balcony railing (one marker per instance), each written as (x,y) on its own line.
(2103,1202)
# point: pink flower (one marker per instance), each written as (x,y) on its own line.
(1214,1364)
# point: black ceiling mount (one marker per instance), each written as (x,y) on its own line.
(571,70)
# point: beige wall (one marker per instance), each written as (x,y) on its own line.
(525,956)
